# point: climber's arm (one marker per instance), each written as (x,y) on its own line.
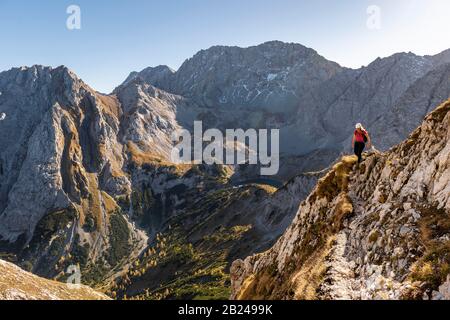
(369,141)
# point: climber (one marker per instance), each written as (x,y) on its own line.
(360,138)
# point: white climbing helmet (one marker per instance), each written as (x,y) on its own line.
(359,126)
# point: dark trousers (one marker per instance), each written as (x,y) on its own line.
(359,148)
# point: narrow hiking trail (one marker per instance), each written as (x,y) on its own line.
(341,281)
(352,270)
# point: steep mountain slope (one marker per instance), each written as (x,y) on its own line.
(364,94)
(419,100)
(63,177)
(149,117)
(441,58)
(158,76)
(206,227)
(86,181)
(377,231)
(368,95)
(314,102)
(57,134)
(16,284)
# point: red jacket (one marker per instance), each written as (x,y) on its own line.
(359,135)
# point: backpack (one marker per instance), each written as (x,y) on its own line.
(365,137)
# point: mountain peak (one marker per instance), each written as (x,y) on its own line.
(37,68)
(442,58)
(275,46)
(251,76)
(157,76)
(40,74)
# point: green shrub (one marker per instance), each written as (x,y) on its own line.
(119,236)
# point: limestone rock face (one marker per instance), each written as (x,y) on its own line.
(419,100)
(149,118)
(374,231)
(62,166)
(58,132)
(17,284)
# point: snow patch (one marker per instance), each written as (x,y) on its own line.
(272,76)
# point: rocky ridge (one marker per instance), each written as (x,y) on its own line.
(377,231)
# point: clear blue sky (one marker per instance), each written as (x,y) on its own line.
(118,37)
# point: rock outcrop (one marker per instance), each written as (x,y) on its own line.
(58,133)
(379,230)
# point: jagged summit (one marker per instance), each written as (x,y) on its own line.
(41,71)
(268,48)
(408,58)
(157,76)
(234,76)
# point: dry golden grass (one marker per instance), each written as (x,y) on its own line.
(139,158)
(336,180)
(267,188)
(433,267)
(305,267)
(17,284)
(343,170)
(440,112)
(109,203)
(92,206)
(343,210)
(245,288)
(308,278)
(110,104)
